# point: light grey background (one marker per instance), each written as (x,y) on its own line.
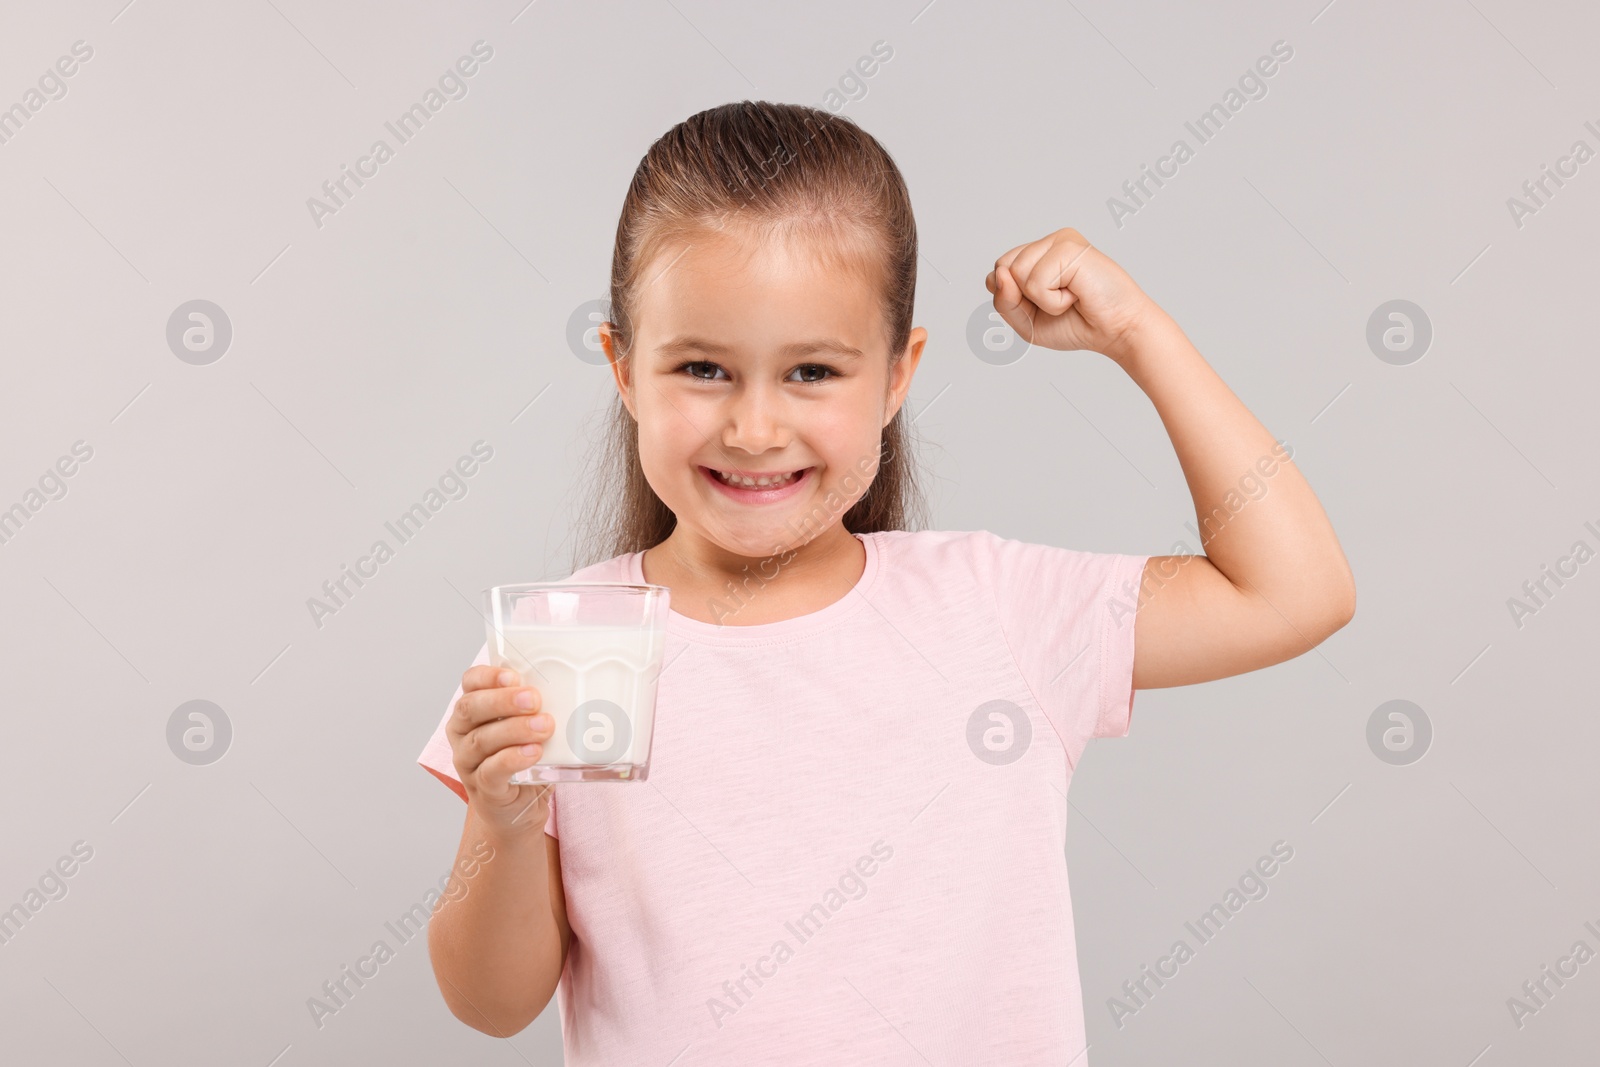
(369,353)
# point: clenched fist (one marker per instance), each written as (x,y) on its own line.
(1061,292)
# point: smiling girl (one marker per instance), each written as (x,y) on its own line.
(849,848)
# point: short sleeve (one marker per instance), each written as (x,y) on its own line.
(1068,618)
(437,759)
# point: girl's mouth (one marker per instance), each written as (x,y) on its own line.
(747,488)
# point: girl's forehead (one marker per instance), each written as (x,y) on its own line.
(744,288)
(760,313)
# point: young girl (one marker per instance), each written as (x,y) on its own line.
(849,847)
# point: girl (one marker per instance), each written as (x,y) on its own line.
(849,848)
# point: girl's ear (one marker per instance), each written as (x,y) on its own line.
(621,368)
(901,373)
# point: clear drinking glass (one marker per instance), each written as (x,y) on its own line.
(593,650)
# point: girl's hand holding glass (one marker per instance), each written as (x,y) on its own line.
(496,730)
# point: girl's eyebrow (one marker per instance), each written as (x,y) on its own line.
(683,345)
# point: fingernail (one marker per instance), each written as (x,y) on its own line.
(507,678)
(528,750)
(523,699)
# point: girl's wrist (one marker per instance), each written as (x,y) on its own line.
(1145,345)
(526,825)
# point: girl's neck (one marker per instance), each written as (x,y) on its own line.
(710,584)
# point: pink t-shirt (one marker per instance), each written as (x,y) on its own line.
(850,844)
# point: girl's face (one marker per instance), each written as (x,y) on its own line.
(751,359)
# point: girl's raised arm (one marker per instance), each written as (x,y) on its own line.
(1273,582)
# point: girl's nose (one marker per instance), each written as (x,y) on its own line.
(755,420)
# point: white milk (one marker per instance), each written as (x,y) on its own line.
(572,664)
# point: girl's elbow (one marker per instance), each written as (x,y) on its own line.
(507,1021)
(1341,607)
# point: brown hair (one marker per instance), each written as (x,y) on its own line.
(775,169)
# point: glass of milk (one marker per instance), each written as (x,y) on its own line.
(593,650)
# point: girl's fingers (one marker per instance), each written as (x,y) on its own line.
(1044,268)
(1048,282)
(483,676)
(1018,311)
(494,775)
(486,705)
(1032,278)
(477,747)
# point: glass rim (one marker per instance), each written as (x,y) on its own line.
(539,587)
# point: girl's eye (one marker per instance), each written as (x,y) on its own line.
(698,363)
(697,371)
(816,367)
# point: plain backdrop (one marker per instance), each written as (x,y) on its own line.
(372,346)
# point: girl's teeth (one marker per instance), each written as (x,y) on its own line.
(766,482)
